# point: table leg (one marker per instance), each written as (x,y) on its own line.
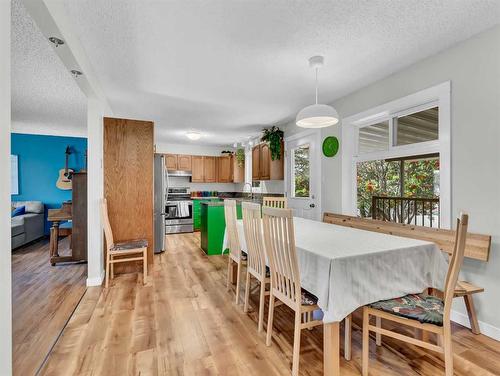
(331,349)
(54,241)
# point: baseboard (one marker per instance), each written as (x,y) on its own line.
(486,329)
(97,281)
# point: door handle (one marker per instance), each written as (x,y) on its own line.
(312,205)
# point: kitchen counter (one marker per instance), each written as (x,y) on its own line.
(238,200)
(213,226)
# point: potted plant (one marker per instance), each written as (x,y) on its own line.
(240,157)
(274,137)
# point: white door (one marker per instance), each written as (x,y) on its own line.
(303,164)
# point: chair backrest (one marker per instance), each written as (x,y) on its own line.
(279,238)
(455,264)
(231,228)
(106,225)
(275,202)
(252,224)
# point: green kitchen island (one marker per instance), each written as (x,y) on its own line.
(213,225)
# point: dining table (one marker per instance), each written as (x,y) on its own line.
(348,268)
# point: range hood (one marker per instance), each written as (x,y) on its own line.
(179,173)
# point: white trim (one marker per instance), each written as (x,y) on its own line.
(45,130)
(485,328)
(437,95)
(97,281)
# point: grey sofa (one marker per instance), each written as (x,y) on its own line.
(29,226)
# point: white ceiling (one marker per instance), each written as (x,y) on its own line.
(227,68)
(45,97)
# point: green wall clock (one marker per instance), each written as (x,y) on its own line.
(330,146)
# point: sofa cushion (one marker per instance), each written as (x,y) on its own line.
(31,206)
(17,225)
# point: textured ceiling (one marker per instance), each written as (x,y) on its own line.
(45,97)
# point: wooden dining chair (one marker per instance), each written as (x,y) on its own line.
(256,255)
(234,245)
(279,240)
(275,202)
(125,251)
(424,312)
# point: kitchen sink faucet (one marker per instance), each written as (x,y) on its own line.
(251,191)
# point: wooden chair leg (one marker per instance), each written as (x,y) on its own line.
(145,265)
(366,337)
(107,270)
(448,351)
(471,312)
(270,320)
(112,267)
(261,305)
(347,337)
(310,318)
(247,292)
(229,273)
(296,345)
(238,282)
(378,336)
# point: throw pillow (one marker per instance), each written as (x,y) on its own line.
(18,211)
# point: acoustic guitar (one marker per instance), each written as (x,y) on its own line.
(65,174)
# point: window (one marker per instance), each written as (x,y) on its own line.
(418,127)
(374,137)
(300,171)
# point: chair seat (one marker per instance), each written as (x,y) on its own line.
(424,308)
(307,298)
(129,245)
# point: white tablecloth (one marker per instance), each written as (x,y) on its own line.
(348,268)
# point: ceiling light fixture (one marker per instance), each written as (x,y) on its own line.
(317,115)
(193,135)
(76,73)
(56,41)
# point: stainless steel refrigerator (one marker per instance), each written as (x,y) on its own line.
(160,189)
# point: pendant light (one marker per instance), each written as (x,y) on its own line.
(317,115)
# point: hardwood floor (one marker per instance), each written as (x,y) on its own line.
(43,299)
(184,322)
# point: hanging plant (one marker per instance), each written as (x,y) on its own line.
(274,137)
(240,157)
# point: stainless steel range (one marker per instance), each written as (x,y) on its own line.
(178,211)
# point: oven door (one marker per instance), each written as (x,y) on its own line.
(172,211)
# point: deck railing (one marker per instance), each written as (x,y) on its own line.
(411,210)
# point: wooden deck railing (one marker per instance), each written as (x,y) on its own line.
(410,210)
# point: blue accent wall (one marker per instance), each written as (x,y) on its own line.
(40,159)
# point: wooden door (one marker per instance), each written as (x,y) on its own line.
(128,180)
(197,169)
(209,169)
(225,169)
(184,162)
(79,210)
(265,162)
(256,162)
(171,161)
(238,172)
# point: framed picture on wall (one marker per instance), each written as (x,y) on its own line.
(14,175)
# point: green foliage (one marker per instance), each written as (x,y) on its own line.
(274,137)
(301,171)
(240,157)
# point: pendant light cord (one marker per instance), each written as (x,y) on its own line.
(316,85)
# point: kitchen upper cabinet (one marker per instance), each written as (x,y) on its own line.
(263,167)
(171,161)
(184,162)
(209,169)
(197,169)
(238,172)
(225,169)
(256,162)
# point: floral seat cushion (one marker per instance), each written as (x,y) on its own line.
(421,307)
(131,244)
(308,298)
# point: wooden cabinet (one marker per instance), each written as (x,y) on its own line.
(184,162)
(256,162)
(197,169)
(171,161)
(238,172)
(225,169)
(209,169)
(263,167)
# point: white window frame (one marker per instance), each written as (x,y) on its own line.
(292,173)
(436,96)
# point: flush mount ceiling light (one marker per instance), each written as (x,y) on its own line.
(193,135)
(56,41)
(317,115)
(76,73)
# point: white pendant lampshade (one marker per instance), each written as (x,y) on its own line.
(317,115)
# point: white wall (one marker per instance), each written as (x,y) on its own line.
(473,67)
(5,254)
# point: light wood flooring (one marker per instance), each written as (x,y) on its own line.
(184,322)
(43,299)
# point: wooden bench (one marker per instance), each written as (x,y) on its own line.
(477,247)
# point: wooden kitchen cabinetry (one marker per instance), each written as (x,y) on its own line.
(263,167)
(184,162)
(171,161)
(225,169)
(197,169)
(238,172)
(209,169)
